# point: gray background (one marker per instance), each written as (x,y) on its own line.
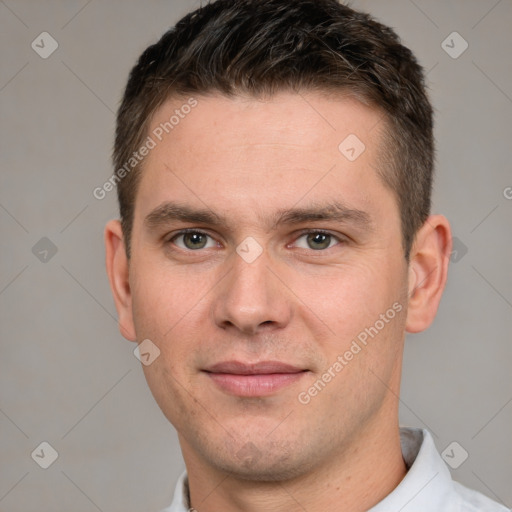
(67,376)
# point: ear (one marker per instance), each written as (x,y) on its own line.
(118,275)
(428,270)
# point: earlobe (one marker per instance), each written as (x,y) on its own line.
(428,270)
(118,275)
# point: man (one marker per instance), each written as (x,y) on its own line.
(274,169)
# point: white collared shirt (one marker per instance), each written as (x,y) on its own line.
(427,486)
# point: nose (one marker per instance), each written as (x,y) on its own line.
(251,299)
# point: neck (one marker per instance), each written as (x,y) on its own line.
(354,479)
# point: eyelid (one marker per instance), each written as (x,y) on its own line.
(184,231)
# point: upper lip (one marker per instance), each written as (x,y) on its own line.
(260,368)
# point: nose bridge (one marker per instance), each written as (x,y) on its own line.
(250,295)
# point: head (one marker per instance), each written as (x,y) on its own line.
(293,140)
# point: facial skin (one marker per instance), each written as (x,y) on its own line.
(247,161)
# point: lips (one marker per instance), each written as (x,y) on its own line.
(253,379)
(263,367)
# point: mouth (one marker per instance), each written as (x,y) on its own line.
(253,380)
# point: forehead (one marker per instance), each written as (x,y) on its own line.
(307,120)
(240,155)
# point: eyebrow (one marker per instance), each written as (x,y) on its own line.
(169,212)
(335,211)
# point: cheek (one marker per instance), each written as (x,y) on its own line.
(363,307)
(165,305)
(162,298)
(171,308)
(349,298)
(170,389)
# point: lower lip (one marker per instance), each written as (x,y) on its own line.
(254,385)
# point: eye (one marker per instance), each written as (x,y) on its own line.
(193,240)
(316,240)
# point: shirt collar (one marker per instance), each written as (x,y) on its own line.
(427,485)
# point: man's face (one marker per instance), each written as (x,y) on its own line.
(274,274)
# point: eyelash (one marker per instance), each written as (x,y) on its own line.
(301,234)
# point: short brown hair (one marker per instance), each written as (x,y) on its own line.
(260,47)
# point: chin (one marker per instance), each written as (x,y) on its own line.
(271,463)
(263,471)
